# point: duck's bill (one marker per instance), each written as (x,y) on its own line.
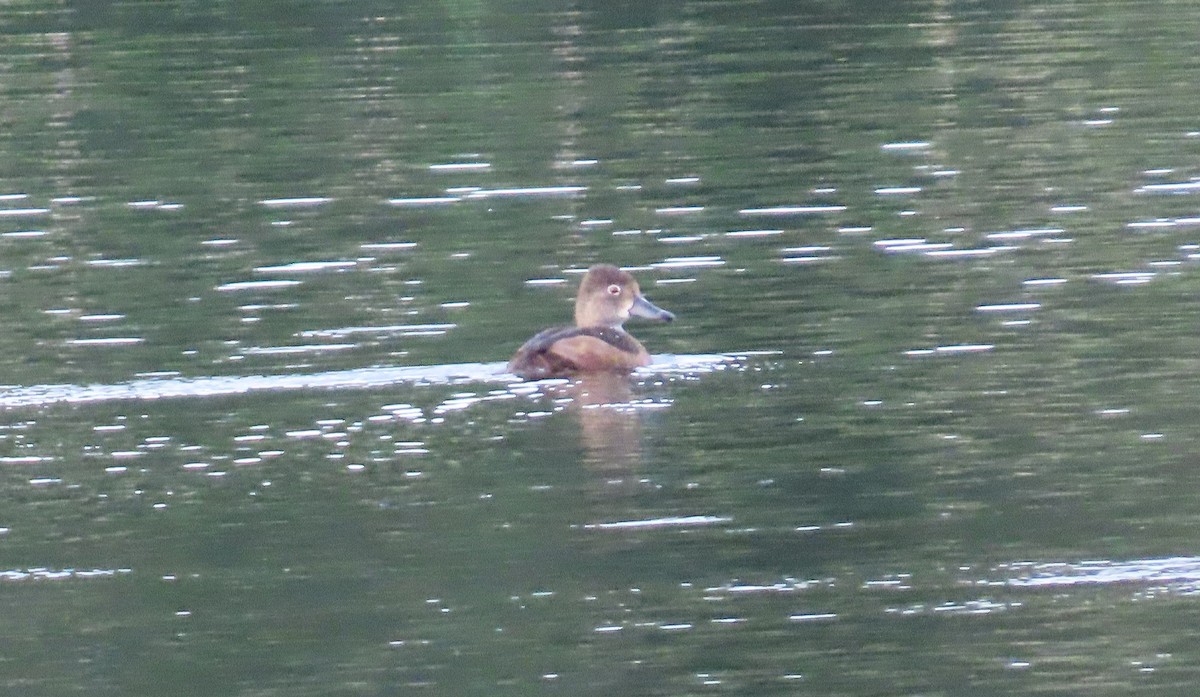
(647,310)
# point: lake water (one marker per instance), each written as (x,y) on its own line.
(925,424)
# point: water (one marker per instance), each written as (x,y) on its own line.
(924,424)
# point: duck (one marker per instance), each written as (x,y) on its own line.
(598,343)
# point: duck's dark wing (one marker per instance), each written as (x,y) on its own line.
(564,351)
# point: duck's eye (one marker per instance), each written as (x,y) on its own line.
(614,289)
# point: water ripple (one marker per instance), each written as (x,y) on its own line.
(362,378)
(391,329)
(1187,187)
(677,521)
(295,202)
(424,201)
(44,574)
(1104,572)
(256,285)
(791,210)
(528,191)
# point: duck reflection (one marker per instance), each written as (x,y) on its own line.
(610,423)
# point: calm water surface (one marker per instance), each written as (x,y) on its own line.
(925,424)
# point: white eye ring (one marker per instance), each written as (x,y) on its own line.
(614,289)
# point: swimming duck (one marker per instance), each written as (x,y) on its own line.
(597,343)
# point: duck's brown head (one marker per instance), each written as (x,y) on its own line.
(608,296)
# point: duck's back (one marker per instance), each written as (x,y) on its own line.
(563,351)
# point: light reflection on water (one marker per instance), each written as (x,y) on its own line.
(358,379)
(1181,572)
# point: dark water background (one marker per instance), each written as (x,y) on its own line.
(926,423)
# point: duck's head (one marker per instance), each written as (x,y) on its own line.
(608,296)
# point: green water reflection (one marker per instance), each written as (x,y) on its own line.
(954,242)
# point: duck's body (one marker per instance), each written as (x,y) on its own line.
(563,351)
(597,343)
